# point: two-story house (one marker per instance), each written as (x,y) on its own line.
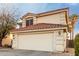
(45,31)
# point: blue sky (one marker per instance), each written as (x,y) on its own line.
(42,7)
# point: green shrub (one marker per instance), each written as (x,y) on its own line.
(76,45)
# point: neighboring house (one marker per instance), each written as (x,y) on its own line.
(45,31)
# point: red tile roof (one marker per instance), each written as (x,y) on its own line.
(40,26)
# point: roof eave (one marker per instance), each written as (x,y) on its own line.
(37,30)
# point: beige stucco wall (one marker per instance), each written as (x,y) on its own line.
(60,40)
(58,18)
(24,23)
(55,19)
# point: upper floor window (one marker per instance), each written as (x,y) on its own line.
(29,22)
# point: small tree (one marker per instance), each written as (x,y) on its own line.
(8,19)
(76,43)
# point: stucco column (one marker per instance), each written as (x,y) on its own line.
(24,23)
(34,20)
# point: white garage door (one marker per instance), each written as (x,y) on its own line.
(43,42)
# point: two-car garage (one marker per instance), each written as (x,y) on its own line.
(43,41)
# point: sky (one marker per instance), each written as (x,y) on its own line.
(42,7)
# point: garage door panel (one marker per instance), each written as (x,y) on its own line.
(36,42)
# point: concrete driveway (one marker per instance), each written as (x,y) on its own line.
(15,52)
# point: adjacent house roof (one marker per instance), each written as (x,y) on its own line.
(40,26)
